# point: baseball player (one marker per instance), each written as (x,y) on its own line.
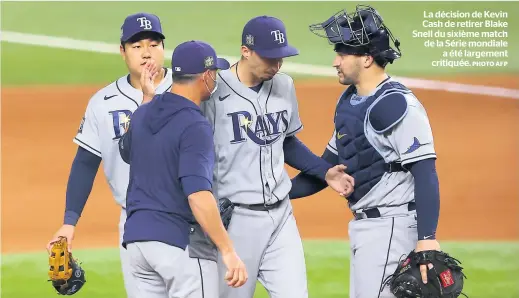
(106,119)
(171,155)
(254,116)
(383,136)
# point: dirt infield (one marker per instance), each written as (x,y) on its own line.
(477,140)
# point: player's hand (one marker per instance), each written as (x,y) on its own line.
(236,274)
(147,80)
(423,245)
(66,231)
(339,181)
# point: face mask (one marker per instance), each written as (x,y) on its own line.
(215,86)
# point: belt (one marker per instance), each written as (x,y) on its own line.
(394,167)
(259,207)
(374,212)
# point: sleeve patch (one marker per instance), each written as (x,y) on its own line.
(80,129)
(387,112)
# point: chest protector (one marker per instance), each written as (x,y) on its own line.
(364,163)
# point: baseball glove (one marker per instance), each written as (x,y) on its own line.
(444,279)
(65,273)
(226,209)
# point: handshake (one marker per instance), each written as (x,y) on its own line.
(339,181)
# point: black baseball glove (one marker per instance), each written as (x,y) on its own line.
(444,279)
(65,272)
(226,209)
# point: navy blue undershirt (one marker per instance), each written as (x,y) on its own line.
(427,197)
(80,181)
(299,157)
(304,185)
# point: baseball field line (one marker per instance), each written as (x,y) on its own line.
(288,67)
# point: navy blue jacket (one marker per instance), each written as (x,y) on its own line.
(170,149)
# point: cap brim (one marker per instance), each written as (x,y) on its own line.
(221,63)
(277,53)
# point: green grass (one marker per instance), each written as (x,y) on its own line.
(491,268)
(39,65)
(35,65)
(214,22)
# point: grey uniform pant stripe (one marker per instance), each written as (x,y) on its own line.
(201,277)
(387,256)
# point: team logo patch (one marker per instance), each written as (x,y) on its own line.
(278,36)
(145,23)
(414,146)
(446,278)
(80,129)
(249,40)
(209,61)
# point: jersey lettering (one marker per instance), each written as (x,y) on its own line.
(121,122)
(267,130)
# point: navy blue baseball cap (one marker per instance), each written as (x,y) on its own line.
(194,57)
(140,22)
(268,37)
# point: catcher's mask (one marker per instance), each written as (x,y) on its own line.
(361,32)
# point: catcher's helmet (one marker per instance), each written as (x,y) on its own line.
(360,32)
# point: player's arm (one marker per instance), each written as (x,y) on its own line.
(196,173)
(81,179)
(82,174)
(85,165)
(412,139)
(298,156)
(304,184)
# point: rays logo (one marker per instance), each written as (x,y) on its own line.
(121,122)
(264,131)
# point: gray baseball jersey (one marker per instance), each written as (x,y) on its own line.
(106,119)
(410,140)
(249,130)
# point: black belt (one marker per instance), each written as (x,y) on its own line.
(374,212)
(259,207)
(394,167)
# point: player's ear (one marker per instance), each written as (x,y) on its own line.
(367,60)
(122,51)
(245,52)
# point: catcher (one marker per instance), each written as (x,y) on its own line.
(65,272)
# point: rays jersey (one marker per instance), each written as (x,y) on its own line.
(249,129)
(388,126)
(106,119)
